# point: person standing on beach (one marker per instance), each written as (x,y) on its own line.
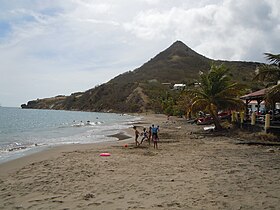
(155,138)
(150,135)
(136,136)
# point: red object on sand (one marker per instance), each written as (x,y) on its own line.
(105,154)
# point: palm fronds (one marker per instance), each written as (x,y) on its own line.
(271,75)
(267,73)
(275,59)
(217,92)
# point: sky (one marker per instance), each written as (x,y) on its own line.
(57,47)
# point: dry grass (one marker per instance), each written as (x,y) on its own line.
(266,136)
(260,136)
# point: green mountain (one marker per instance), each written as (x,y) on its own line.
(142,89)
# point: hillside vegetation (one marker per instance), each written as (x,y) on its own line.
(145,88)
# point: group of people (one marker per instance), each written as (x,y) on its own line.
(151,134)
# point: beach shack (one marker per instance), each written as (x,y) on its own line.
(257,97)
(255,103)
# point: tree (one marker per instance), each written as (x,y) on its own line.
(216,92)
(184,103)
(270,74)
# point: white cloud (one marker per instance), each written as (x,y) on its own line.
(70,46)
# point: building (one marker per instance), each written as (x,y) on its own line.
(179,86)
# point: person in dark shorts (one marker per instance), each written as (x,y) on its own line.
(136,136)
(155,138)
(150,135)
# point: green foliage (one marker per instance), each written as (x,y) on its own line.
(155,91)
(170,103)
(167,105)
(216,92)
(271,75)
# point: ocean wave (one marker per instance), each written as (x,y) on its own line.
(37,130)
(15,146)
(88,123)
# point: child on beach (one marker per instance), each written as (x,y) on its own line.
(136,135)
(156,143)
(145,135)
(150,135)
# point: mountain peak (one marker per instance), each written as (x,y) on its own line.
(180,48)
(179,43)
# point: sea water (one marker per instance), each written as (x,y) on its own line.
(25,131)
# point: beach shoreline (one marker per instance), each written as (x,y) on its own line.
(53,151)
(46,151)
(188,171)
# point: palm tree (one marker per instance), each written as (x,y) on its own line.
(217,92)
(270,73)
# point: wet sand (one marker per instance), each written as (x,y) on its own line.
(188,171)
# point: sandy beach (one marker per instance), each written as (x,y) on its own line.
(188,171)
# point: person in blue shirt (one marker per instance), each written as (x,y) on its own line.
(155,138)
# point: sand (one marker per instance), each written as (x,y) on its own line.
(188,171)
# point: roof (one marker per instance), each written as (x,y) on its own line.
(255,95)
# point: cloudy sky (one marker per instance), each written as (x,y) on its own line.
(52,47)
